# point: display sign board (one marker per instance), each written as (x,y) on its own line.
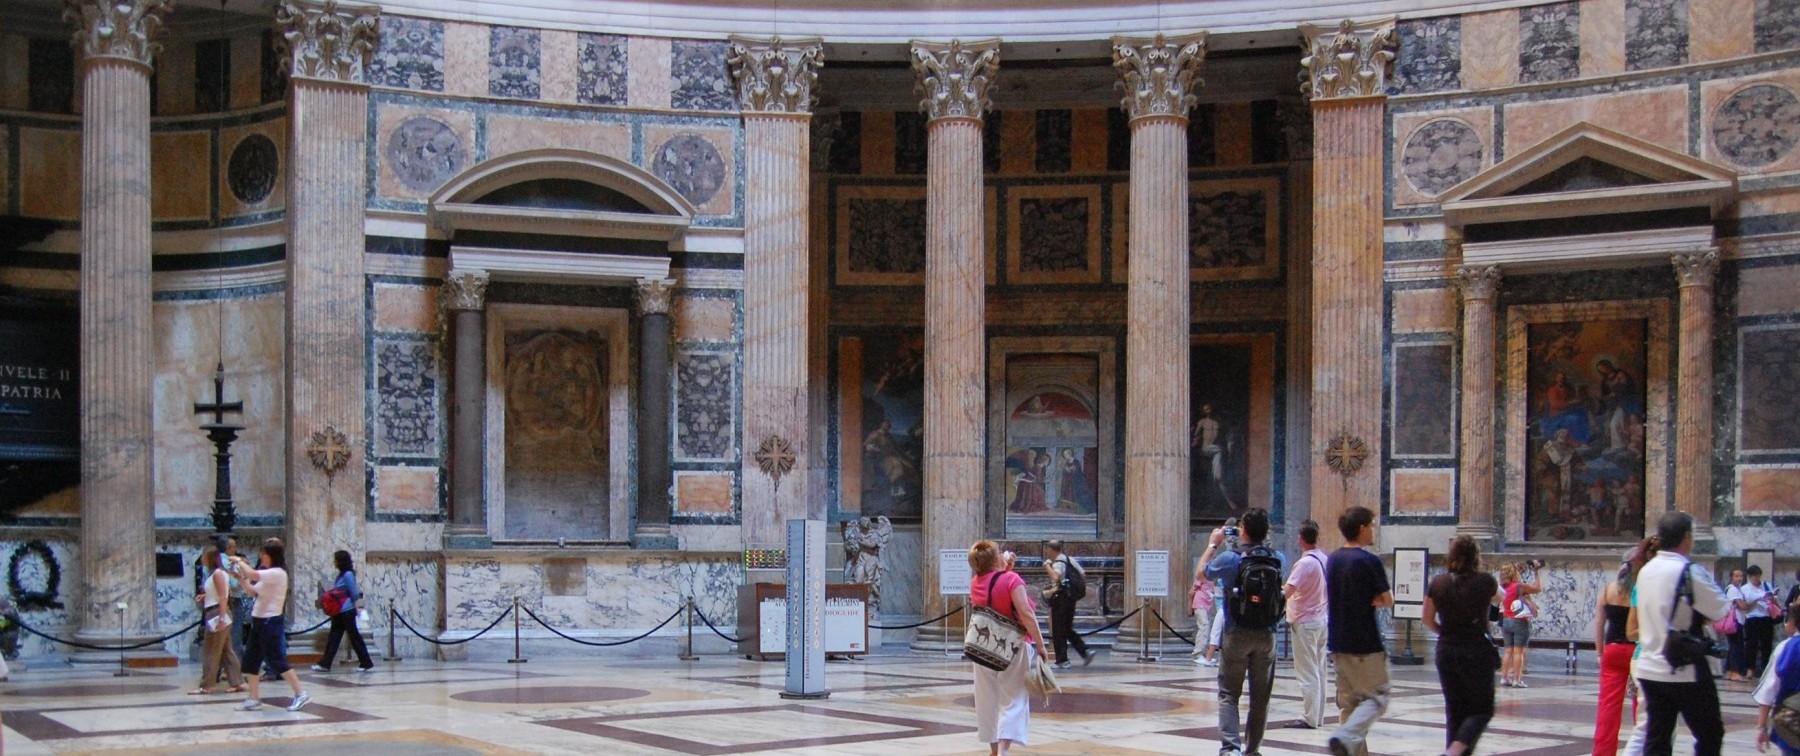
(954,573)
(846,620)
(39,393)
(805,609)
(1412,569)
(1152,574)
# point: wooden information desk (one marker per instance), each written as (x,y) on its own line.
(762,620)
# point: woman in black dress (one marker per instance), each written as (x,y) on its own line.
(1456,608)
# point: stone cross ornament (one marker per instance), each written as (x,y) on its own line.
(329,450)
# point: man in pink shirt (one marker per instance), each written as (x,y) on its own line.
(1305,589)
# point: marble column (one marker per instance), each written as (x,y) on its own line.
(1347,67)
(955,79)
(465,298)
(1475,510)
(654,478)
(117,40)
(328,101)
(1159,76)
(1695,272)
(776,79)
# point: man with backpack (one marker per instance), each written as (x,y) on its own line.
(1251,583)
(1068,585)
(1675,602)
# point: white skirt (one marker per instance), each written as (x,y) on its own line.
(1002,701)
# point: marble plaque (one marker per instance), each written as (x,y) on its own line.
(409,54)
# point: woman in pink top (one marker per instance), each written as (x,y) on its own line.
(1002,703)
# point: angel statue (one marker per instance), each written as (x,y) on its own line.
(863,541)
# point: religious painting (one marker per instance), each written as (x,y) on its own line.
(1219,424)
(881,425)
(557,435)
(1584,429)
(1050,481)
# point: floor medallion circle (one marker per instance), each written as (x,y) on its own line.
(550,694)
(1078,702)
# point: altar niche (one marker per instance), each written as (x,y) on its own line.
(559,409)
(1052,445)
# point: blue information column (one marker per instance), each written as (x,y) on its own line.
(805,609)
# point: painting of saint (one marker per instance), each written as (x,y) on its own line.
(1219,465)
(892,432)
(1050,485)
(1584,433)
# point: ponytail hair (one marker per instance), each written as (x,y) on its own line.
(1640,555)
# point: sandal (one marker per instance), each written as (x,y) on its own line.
(237,689)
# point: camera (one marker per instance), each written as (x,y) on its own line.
(1231,532)
(1536,564)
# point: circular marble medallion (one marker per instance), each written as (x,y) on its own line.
(550,694)
(423,152)
(1440,155)
(692,165)
(253,168)
(95,689)
(1079,702)
(1757,125)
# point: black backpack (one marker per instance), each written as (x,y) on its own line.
(1256,600)
(1074,586)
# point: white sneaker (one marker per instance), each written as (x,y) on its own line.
(1520,684)
(365,670)
(250,704)
(317,668)
(300,701)
(1205,662)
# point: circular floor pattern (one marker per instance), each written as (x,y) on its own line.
(1095,703)
(94,689)
(553,694)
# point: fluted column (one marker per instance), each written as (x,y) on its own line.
(465,298)
(776,79)
(654,475)
(1694,389)
(1159,76)
(1475,512)
(118,531)
(955,79)
(327,360)
(1347,69)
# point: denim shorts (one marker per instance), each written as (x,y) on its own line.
(1515,632)
(266,647)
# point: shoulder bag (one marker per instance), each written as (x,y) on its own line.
(1685,647)
(992,640)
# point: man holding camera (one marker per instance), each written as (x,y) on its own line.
(1674,604)
(1251,583)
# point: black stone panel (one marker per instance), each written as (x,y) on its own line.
(1424,400)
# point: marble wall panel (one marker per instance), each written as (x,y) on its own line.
(1769,292)
(406,398)
(418,149)
(466,59)
(700,80)
(704,406)
(509,134)
(1423,401)
(50,163)
(1233,136)
(1490,49)
(413,585)
(246,71)
(601,66)
(1656,33)
(1777,25)
(1426,310)
(634,592)
(1571,590)
(1721,29)
(1055,130)
(880,235)
(1550,42)
(912,145)
(647,81)
(699,162)
(1769,389)
(1768,489)
(1438,150)
(1053,234)
(703,493)
(1422,492)
(1015,146)
(1430,55)
(1658,115)
(179,168)
(252,165)
(34,575)
(1088,134)
(705,319)
(876,142)
(901,582)
(405,308)
(515,62)
(1753,123)
(172,90)
(558,56)
(1234,228)
(406,490)
(1602,37)
(409,54)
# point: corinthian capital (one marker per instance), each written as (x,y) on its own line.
(1348,61)
(955,77)
(117,28)
(327,40)
(1478,281)
(1696,268)
(1159,74)
(654,295)
(776,75)
(465,289)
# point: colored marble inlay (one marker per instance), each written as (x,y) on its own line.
(1440,155)
(514,59)
(1769,382)
(1777,25)
(1424,400)
(409,54)
(1054,134)
(1656,33)
(703,407)
(1227,229)
(601,65)
(887,235)
(424,152)
(1550,42)
(692,165)
(1430,55)
(549,694)
(700,76)
(255,164)
(1054,234)
(406,398)
(1757,125)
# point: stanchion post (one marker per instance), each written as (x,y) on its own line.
(518,658)
(951,648)
(1144,632)
(687,650)
(122,671)
(393,653)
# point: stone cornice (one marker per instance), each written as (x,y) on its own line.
(465,289)
(1697,268)
(1478,281)
(1159,74)
(117,28)
(776,75)
(1350,60)
(327,40)
(956,77)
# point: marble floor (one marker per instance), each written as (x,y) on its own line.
(886,704)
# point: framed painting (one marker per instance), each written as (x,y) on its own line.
(1231,424)
(1051,432)
(881,432)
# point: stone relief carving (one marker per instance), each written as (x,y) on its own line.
(1550,42)
(1054,233)
(654,295)
(254,166)
(1757,125)
(1228,229)
(1348,61)
(955,77)
(1158,74)
(703,411)
(465,289)
(863,541)
(776,75)
(1696,268)
(702,80)
(692,165)
(887,235)
(117,28)
(513,62)
(406,398)
(601,69)
(409,54)
(424,152)
(1656,33)
(1430,57)
(327,40)
(1478,281)
(1440,155)
(329,449)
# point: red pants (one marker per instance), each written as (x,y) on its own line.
(1615,673)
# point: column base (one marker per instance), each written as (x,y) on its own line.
(936,638)
(148,657)
(1485,534)
(471,539)
(655,537)
(1705,540)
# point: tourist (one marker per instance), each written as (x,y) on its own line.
(1757,624)
(1356,584)
(1068,584)
(1516,611)
(1251,582)
(1456,608)
(1305,592)
(1673,595)
(1735,668)
(240,603)
(344,622)
(216,653)
(1002,702)
(1616,648)
(267,645)
(1793,595)
(1779,680)
(1201,600)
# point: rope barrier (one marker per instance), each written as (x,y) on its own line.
(716,630)
(1172,630)
(1115,623)
(94,647)
(298,633)
(567,637)
(458,642)
(941,617)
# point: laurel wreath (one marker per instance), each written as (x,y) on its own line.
(27,599)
